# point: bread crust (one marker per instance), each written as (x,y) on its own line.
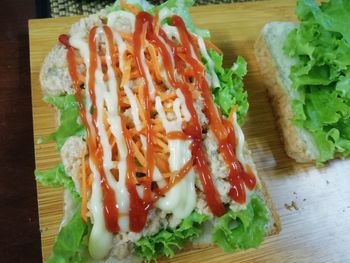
(295,146)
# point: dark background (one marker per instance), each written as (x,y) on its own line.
(19,225)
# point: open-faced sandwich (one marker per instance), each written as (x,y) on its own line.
(306,67)
(153,157)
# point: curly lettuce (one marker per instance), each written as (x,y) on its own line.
(71,244)
(56,177)
(243,229)
(234,230)
(70,124)
(231,91)
(322,74)
(165,242)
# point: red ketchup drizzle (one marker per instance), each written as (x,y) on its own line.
(222,131)
(137,209)
(110,209)
(193,129)
(64,40)
(141,20)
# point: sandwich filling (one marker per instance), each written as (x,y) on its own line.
(143,88)
(153,76)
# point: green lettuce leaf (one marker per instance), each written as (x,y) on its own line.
(231,90)
(56,177)
(71,244)
(166,241)
(322,74)
(244,229)
(70,124)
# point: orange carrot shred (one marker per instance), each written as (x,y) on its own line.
(129,7)
(83,188)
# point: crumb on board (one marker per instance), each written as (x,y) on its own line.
(292,206)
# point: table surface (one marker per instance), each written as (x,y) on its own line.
(19,225)
(316,229)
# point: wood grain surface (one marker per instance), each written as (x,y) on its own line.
(19,222)
(316,229)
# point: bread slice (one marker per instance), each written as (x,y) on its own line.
(55,80)
(275,68)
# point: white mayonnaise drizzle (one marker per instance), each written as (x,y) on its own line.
(184,110)
(214,78)
(106,94)
(121,49)
(181,205)
(171,32)
(134,107)
(150,84)
(100,240)
(240,142)
(164,13)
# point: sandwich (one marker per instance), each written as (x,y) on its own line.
(153,156)
(306,68)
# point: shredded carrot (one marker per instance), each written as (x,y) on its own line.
(154,62)
(158,128)
(135,74)
(208,44)
(180,50)
(157,121)
(129,7)
(156,23)
(196,94)
(167,96)
(126,75)
(138,144)
(81,78)
(138,155)
(189,72)
(133,132)
(83,188)
(138,100)
(168,110)
(130,48)
(90,179)
(231,115)
(158,149)
(79,60)
(162,164)
(211,45)
(161,135)
(126,36)
(115,173)
(169,174)
(162,144)
(163,156)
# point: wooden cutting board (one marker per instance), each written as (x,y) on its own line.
(316,230)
